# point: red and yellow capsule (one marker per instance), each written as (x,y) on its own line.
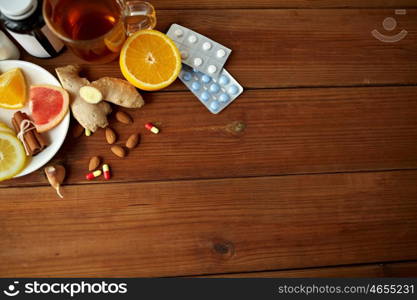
(93,175)
(106,172)
(151,128)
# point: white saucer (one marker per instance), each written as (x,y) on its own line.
(35,74)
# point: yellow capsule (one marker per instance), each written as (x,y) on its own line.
(87,132)
(97,173)
(93,175)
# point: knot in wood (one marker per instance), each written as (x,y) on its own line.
(223,248)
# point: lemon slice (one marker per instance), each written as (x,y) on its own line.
(150,60)
(12,156)
(5,128)
(12,89)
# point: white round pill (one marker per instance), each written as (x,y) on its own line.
(178,32)
(192,39)
(212,69)
(184,54)
(198,61)
(221,53)
(206,46)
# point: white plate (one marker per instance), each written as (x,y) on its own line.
(35,74)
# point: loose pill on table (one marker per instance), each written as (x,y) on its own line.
(151,128)
(233,90)
(214,88)
(205,78)
(196,86)
(224,98)
(178,32)
(198,61)
(192,39)
(93,175)
(212,69)
(223,80)
(214,105)
(206,46)
(221,53)
(106,171)
(87,132)
(205,96)
(186,76)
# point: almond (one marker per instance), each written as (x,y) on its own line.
(77,130)
(118,151)
(94,163)
(132,141)
(123,117)
(111,136)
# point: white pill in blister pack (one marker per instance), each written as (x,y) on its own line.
(192,39)
(206,46)
(179,33)
(212,69)
(198,61)
(214,93)
(221,53)
(193,45)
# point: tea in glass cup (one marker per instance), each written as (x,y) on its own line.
(95,30)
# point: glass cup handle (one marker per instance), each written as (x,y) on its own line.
(138,15)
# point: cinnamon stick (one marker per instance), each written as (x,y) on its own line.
(35,142)
(43,143)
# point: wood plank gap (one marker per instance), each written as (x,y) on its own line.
(212,178)
(382,263)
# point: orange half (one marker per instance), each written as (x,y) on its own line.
(150,60)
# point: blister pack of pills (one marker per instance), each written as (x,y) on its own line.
(198,51)
(214,93)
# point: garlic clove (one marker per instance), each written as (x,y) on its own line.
(55,175)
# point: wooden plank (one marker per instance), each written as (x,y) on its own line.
(268,132)
(209,226)
(407,269)
(295,48)
(216,4)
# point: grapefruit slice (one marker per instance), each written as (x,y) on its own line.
(49,105)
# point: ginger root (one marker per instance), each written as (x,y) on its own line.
(91,94)
(90,116)
(119,92)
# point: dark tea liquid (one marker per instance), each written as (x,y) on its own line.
(85,20)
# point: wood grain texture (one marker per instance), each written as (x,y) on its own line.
(217,4)
(209,226)
(407,269)
(295,48)
(268,132)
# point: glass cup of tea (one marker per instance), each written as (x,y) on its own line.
(95,30)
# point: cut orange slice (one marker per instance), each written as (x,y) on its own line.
(150,60)
(12,89)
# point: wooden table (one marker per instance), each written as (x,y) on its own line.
(311,172)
